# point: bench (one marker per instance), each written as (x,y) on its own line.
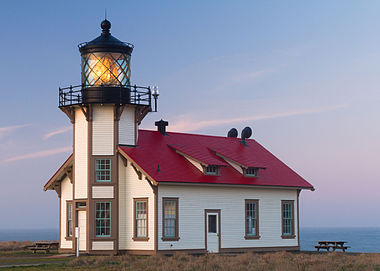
(322,247)
(334,245)
(44,246)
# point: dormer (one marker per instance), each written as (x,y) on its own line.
(247,169)
(202,158)
(251,172)
(213,170)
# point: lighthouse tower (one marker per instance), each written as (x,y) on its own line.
(105,111)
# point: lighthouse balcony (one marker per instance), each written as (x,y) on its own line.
(109,94)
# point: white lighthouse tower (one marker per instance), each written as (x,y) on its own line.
(105,111)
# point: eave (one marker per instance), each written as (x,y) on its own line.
(64,170)
(238,185)
(138,168)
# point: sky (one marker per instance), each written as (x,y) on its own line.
(303,74)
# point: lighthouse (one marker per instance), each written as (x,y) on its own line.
(106,111)
(144,192)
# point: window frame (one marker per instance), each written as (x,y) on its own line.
(109,219)
(176,236)
(109,170)
(291,235)
(251,236)
(68,236)
(135,237)
(217,170)
(256,174)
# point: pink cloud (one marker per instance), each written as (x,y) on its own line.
(38,154)
(57,132)
(188,123)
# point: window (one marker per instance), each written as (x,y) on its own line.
(212,223)
(170,219)
(141,220)
(81,205)
(251,219)
(287,219)
(211,170)
(251,172)
(102,170)
(102,219)
(69,220)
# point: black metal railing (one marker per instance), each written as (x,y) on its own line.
(137,95)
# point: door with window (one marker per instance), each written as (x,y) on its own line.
(212,230)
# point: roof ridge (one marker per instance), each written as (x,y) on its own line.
(192,134)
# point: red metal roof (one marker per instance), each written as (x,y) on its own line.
(155,151)
(199,153)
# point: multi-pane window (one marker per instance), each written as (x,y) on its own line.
(141,218)
(287,218)
(251,172)
(102,170)
(251,218)
(170,218)
(110,69)
(211,170)
(69,220)
(103,219)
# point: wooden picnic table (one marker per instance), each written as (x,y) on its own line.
(334,245)
(44,246)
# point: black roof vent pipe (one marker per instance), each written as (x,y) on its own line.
(161,126)
(232,133)
(246,133)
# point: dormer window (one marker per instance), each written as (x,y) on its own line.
(211,170)
(251,172)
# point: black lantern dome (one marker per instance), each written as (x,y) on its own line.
(106,75)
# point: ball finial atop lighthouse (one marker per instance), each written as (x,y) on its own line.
(106,26)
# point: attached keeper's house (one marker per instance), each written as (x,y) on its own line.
(146,192)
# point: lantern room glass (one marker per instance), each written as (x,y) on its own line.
(106,69)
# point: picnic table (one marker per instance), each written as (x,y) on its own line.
(334,245)
(44,246)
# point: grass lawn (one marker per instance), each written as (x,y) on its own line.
(280,261)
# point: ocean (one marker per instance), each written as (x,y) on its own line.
(359,239)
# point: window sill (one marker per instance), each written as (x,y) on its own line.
(103,238)
(140,239)
(68,238)
(170,238)
(253,237)
(288,236)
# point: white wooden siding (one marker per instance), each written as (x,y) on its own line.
(131,187)
(66,194)
(102,245)
(81,150)
(127,127)
(194,200)
(102,192)
(102,130)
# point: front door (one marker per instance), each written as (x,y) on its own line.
(82,223)
(212,231)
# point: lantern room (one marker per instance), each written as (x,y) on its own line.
(106,60)
(106,75)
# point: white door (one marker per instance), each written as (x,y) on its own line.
(82,226)
(212,231)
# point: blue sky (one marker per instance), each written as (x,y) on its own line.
(303,74)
